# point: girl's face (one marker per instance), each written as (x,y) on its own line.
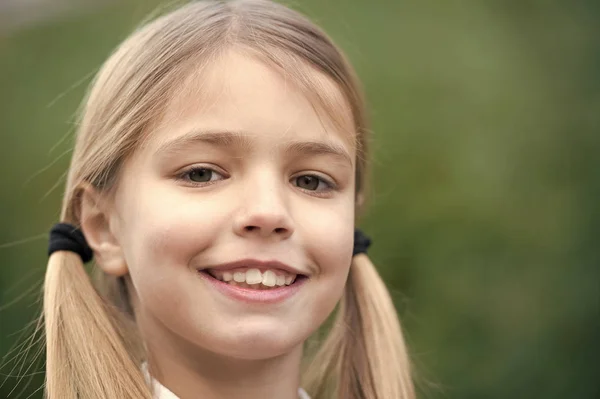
(241,173)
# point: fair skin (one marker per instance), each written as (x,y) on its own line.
(240,166)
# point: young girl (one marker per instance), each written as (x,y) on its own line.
(219,167)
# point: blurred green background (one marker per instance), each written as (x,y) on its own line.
(486,177)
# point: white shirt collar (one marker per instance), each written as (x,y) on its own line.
(162,392)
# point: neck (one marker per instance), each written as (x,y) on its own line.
(209,375)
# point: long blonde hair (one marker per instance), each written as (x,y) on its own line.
(90,351)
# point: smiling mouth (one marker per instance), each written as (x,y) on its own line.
(254,278)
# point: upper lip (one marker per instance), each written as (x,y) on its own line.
(255,263)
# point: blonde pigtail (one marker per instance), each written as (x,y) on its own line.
(364,353)
(381,340)
(86,356)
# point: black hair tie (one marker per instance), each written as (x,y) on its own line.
(361,243)
(66,237)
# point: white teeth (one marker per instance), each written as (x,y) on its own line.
(254,276)
(280,280)
(269,279)
(240,277)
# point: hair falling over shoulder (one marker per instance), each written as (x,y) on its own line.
(86,356)
(88,342)
(364,353)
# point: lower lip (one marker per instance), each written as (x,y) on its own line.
(249,295)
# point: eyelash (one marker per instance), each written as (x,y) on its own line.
(330,186)
(184,177)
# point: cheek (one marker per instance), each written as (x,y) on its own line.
(329,239)
(167,229)
(328,236)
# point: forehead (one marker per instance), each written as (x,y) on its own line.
(240,92)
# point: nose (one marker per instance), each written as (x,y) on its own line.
(264,212)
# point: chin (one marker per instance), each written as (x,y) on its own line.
(258,342)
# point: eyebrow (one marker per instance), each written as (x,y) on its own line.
(242,140)
(318,148)
(212,137)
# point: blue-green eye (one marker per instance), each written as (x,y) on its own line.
(312,183)
(199,175)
